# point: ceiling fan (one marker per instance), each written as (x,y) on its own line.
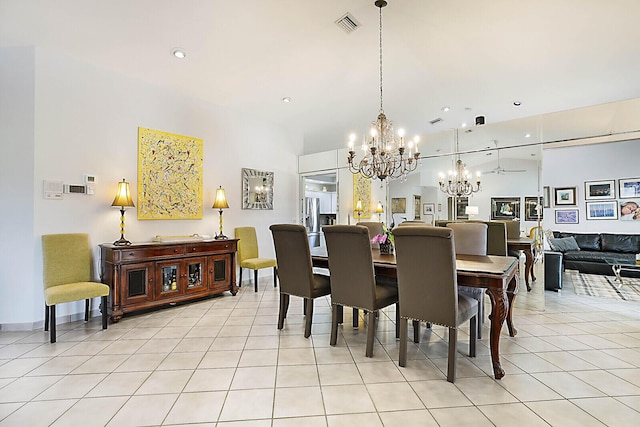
(499,169)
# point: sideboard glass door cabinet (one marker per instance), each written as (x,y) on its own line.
(147,275)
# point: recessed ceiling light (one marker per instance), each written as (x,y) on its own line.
(445,109)
(517,103)
(464,124)
(527,135)
(286,99)
(179,53)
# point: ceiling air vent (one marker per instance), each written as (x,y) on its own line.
(436,120)
(348,23)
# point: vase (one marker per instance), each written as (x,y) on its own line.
(386,248)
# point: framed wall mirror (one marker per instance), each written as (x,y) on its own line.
(257,189)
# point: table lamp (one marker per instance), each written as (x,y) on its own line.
(123,200)
(379,211)
(471,211)
(220,203)
(358,209)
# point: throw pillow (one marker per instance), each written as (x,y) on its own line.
(564,244)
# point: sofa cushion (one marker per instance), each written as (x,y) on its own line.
(601,257)
(564,244)
(625,243)
(586,242)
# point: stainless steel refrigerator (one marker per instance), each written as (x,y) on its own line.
(312,220)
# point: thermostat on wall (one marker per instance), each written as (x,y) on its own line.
(76,189)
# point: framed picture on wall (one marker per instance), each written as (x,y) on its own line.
(417,201)
(565,196)
(398,205)
(629,187)
(461,204)
(567,216)
(602,210)
(600,189)
(428,208)
(630,210)
(505,207)
(532,208)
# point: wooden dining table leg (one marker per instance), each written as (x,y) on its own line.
(528,268)
(512,290)
(499,309)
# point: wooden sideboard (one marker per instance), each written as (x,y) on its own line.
(146,275)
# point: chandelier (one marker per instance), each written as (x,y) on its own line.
(385,156)
(458,182)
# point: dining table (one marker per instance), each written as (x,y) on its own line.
(526,245)
(499,275)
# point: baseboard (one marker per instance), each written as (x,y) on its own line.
(34,326)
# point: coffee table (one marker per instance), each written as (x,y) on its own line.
(619,267)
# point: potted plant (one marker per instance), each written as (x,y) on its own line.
(384,240)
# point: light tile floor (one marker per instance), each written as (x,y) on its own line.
(222,362)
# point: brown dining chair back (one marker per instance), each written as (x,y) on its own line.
(412,222)
(427,287)
(496,238)
(471,239)
(295,271)
(353,280)
(374,228)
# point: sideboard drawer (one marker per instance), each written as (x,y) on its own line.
(219,246)
(145,253)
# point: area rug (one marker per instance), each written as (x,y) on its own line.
(596,285)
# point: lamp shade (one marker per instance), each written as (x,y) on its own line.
(358,206)
(221,200)
(123,196)
(379,208)
(471,210)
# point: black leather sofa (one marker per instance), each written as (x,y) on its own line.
(596,248)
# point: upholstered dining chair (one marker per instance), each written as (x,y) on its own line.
(375,228)
(427,288)
(353,280)
(471,239)
(248,256)
(66,273)
(496,238)
(295,271)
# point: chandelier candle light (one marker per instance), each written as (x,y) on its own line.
(384,154)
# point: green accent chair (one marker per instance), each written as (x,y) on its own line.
(67,276)
(248,256)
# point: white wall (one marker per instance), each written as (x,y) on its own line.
(572,166)
(85,120)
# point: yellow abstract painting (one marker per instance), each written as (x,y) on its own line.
(362,192)
(169,175)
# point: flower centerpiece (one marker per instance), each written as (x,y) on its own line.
(385,240)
